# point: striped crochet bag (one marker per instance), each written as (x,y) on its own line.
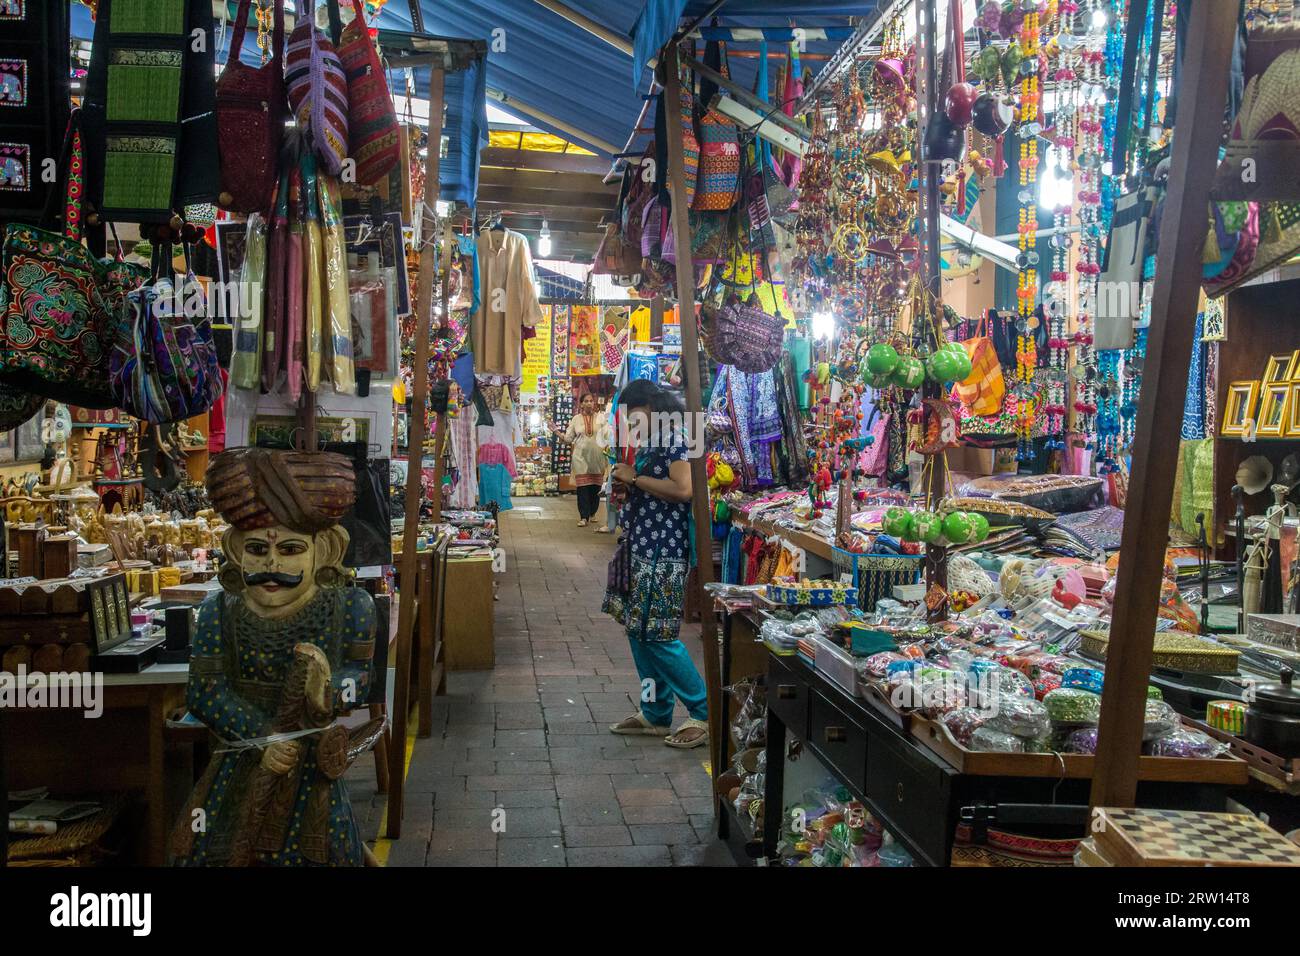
(372,121)
(318,90)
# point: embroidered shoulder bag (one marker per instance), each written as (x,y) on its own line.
(372,121)
(250,117)
(60,308)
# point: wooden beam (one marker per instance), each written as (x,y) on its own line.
(554,182)
(1198,130)
(415,455)
(695,412)
(503,157)
(545,198)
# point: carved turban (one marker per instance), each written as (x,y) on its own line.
(307,491)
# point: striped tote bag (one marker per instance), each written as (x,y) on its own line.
(318,90)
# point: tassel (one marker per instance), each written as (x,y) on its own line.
(1210,252)
(1271,229)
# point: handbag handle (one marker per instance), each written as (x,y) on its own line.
(72,169)
(241,26)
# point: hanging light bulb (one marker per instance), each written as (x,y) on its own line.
(544,241)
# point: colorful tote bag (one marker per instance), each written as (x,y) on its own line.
(982,391)
(318,90)
(372,121)
(150,110)
(250,118)
(164,366)
(61,310)
(717,183)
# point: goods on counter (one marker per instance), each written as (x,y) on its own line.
(821,593)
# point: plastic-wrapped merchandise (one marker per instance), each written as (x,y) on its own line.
(1022,716)
(1045,684)
(1083,678)
(1082,741)
(878,664)
(1160,719)
(1186,742)
(985,739)
(941,692)
(990,685)
(1041,744)
(963,722)
(1071,706)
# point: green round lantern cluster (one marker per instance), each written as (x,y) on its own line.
(929,527)
(949,364)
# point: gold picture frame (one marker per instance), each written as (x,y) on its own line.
(1239,408)
(1281,368)
(1293,412)
(1273,410)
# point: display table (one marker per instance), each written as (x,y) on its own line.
(915,792)
(468,618)
(125,748)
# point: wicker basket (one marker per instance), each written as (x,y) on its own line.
(80,843)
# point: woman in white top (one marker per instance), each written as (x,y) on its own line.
(588,433)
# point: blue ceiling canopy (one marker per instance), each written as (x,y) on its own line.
(543,61)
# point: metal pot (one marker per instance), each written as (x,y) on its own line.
(1273,718)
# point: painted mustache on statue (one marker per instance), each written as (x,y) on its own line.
(272,577)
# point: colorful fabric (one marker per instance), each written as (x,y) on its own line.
(669,666)
(372,121)
(658,536)
(494,487)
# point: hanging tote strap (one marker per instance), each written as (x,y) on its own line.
(72,169)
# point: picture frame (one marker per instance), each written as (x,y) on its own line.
(1280,368)
(1273,410)
(1293,411)
(1239,408)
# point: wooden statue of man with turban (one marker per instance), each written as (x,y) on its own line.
(277,655)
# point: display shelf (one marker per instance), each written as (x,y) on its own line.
(736,832)
(916,792)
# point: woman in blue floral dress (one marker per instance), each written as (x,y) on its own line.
(648,576)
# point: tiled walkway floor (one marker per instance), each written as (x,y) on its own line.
(521,769)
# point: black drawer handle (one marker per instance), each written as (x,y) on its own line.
(900,791)
(835,735)
(787,691)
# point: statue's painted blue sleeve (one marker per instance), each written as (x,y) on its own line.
(209,695)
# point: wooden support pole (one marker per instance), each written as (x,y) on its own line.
(694,413)
(1197,134)
(415,454)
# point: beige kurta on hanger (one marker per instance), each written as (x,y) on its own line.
(507,302)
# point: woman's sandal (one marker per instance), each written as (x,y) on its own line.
(637,724)
(675,739)
(582,522)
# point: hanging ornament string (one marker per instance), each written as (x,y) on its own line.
(1027,260)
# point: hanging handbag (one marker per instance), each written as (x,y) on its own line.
(874,459)
(372,121)
(318,89)
(618,576)
(61,310)
(982,391)
(150,110)
(746,337)
(251,109)
(164,367)
(717,184)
